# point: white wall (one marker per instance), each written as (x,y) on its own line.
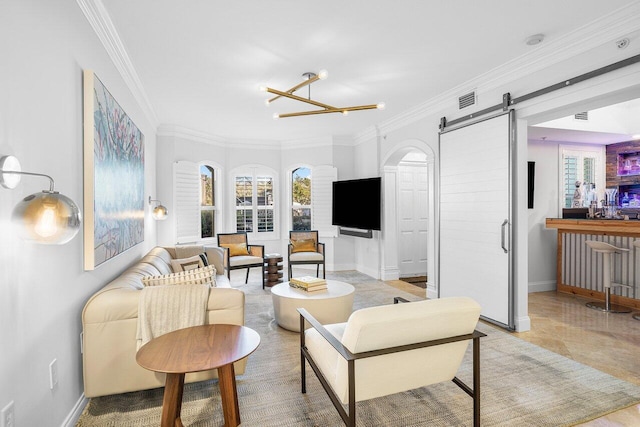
(542,241)
(282,158)
(45,46)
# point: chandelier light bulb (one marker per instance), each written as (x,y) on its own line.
(263,88)
(266,102)
(276,116)
(380,105)
(323,74)
(345,113)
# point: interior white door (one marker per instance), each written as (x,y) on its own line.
(413,218)
(474,220)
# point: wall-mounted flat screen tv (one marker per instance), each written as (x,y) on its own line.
(357,203)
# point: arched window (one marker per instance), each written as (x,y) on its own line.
(198,197)
(207,201)
(301,199)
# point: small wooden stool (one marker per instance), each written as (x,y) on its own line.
(272,269)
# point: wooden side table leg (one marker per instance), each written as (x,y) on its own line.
(229,395)
(172,401)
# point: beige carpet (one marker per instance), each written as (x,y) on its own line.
(522,385)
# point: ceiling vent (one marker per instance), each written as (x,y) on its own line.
(582,116)
(467,100)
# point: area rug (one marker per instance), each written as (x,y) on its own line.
(522,384)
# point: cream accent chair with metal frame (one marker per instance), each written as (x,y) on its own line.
(392,348)
(304,248)
(238,254)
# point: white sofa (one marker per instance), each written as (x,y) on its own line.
(109,325)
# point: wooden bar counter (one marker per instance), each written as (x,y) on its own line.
(579,270)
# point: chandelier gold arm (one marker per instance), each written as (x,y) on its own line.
(329,110)
(298,98)
(298,86)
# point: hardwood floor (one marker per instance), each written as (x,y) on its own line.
(561,323)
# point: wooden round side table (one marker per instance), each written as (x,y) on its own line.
(199,348)
(273,269)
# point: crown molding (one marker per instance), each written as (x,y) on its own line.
(175,131)
(606,29)
(102,25)
(320,141)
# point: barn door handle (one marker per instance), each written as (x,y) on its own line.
(503,235)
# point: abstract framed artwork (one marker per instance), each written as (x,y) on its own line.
(113,176)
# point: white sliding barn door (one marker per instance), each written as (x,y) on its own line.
(475,216)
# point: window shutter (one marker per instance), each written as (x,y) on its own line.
(322,178)
(187,201)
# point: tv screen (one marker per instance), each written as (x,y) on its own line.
(357,203)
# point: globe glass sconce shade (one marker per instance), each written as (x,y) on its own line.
(159,212)
(47,217)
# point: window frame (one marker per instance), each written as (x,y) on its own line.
(290,198)
(581,151)
(255,172)
(217,196)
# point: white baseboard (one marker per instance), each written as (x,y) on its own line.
(523,324)
(390,274)
(75,413)
(368,271)
(432,293)
(548,285)
(342,267)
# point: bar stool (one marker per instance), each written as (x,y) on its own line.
(607,252)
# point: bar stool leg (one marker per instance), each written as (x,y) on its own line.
(606,306)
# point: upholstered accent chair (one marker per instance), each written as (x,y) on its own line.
(388,349)
(304,248)
(238,254)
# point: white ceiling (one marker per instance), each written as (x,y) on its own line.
(606,125)
(200,62)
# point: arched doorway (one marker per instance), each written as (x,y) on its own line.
(407,211)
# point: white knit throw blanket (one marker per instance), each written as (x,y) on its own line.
(163,309)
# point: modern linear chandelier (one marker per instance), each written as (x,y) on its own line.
(311,78)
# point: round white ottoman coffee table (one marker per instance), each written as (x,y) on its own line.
(331,306)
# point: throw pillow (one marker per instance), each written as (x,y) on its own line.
(199,276)
(190,263)
(303,245)
(236,249)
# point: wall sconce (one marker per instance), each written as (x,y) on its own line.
(47,217)
(160,212)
